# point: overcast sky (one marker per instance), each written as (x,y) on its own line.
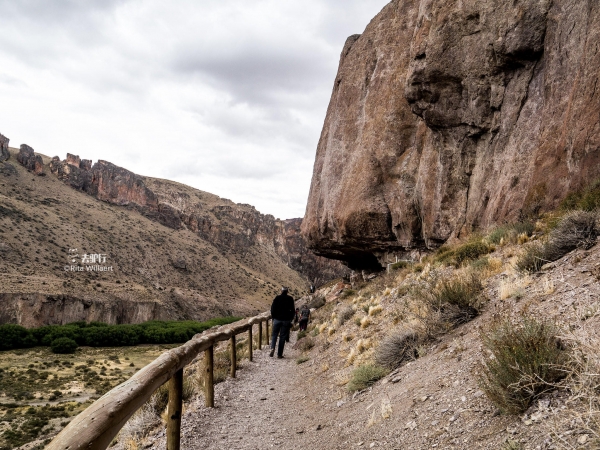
(228,96)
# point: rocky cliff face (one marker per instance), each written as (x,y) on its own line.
(28,159)
(38,309)
(448,116)
(221,222)
(4,154)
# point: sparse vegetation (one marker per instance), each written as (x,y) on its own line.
(364,376)
(396,348)
(302,359)
(525,360)
(577,229)
(345,314)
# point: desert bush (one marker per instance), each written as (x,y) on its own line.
(583,405)
(525,360)
(317,302)
(63,345)
(577,229)
(397,347)
(364,376)
(587,199)
(471,250)
(347,293)
(305,344)
(401,265)
(302,359)
(346,314)
(458,297)
(510,232)
(301,334)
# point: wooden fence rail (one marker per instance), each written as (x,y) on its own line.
(97,425)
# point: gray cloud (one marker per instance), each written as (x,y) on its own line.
(225,95)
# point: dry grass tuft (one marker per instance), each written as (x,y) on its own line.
(365,322)
(365,376)
(374,310)
(399,346)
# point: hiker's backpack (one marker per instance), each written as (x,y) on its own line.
(304,313)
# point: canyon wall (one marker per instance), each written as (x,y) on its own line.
(449,116)
(38,309)
(225,224)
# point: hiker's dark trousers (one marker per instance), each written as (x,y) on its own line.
(281,328)
(303,324)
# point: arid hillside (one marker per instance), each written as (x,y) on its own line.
(158,271)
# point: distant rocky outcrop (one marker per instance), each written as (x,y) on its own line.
(451,116)
(225,224)
(4,154)
(28,159)
(38,309)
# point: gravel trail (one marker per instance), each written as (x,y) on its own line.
(261,408)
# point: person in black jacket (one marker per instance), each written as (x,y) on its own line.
(282,312)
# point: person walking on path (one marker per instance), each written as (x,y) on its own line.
(304,317)
(282,312)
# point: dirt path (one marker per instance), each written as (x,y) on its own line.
(258,409)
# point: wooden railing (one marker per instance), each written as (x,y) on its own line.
(97,425)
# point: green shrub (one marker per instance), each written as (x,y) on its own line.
(364,376)
(63,345)
(302,359)
(95,334)
(301,334)
(471,250)
(526,360)
(510,232)
(587,199)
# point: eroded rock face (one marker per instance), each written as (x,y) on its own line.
(38,309)
(28,159)
(4,154)
(227,225)
(449,116)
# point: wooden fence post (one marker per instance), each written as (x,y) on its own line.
(267,332)
(250,343)
(209,380)
(233,357)
(260,342)
(174,411)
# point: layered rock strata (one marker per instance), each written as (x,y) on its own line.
(225,224)
(447,117)
(28,159)
(38,309)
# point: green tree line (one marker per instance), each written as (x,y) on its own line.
(97,334)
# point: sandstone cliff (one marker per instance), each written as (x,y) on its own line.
(225,224)
(449,116)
